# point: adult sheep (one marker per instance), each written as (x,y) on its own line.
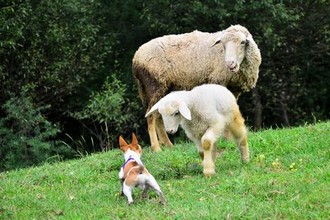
(180,62)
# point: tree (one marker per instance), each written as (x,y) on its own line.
(55,45)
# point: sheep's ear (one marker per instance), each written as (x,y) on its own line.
(249,39)
(185,112)
(152,110)
(216,42)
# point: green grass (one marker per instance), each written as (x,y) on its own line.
(288,178)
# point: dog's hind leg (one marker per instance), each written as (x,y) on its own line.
(153,184)
(127,190)
(145,190)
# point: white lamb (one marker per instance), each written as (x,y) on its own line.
(204,113)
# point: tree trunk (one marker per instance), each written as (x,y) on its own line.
(284,110)
(257,109)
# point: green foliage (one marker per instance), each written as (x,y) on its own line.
(70,49)
(107,104)
(26,136)
(111,110)
(54,45)
(287,178)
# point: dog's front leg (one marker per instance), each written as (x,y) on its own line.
(121,183)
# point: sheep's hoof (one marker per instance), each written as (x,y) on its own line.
(208,172)
(156,149)
(245,160)
(208,175)
(167,144)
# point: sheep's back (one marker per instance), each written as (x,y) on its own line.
(182,61)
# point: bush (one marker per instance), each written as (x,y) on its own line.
(108,114)
(26,136)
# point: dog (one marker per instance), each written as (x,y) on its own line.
(134,173)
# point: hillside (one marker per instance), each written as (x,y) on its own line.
(288,178)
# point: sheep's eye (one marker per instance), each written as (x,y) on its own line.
(243,42)
(176,113)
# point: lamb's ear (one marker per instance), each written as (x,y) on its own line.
(152,110)
(185,111)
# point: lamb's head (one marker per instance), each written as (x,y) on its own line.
(235,41)
(172,111)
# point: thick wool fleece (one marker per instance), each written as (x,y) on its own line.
(181,62)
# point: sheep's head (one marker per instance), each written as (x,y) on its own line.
(235,43)
(172,112)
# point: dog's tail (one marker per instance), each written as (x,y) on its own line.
(141,165)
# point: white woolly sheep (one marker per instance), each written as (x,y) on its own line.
(180,62)
(204,113)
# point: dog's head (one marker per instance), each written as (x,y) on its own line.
(130,149)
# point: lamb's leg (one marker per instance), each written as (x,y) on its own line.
(162,135)
(209,140)
(239,132)
(151,120)
(208,162)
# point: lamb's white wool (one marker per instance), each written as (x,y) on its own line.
(180,62)
(204,113)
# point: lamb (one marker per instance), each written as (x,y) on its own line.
(180,62)
(204,113)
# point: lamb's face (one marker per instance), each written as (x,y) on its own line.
(171,116)
(234,46)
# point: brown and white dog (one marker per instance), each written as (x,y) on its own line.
(133,172)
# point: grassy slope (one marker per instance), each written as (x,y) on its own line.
(267,187)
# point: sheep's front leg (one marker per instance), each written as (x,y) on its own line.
(208,141)
(209,145)
(152,133)
(208,161)
(162,135)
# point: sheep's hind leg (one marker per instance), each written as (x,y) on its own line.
(162,135)
(239,132)
(151,120)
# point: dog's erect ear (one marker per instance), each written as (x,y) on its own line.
(123,144)
(185,111)
(134,142)
(153,109)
